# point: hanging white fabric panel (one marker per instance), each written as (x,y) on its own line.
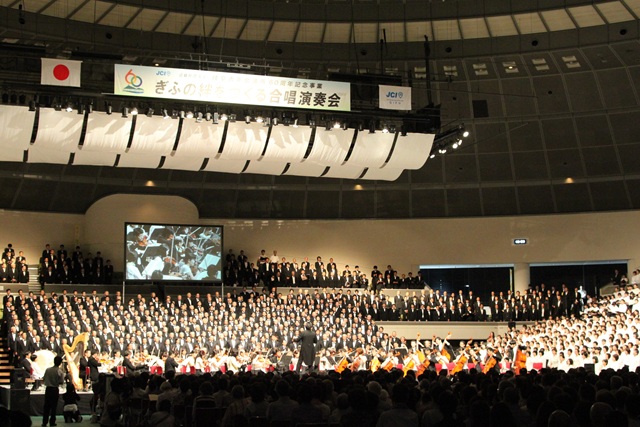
(330,147)
(17,126)
(187,163)
(199,139)
(154,135)
(266,168)
(305,169)
(288,143)
(41,154)
(371,149)
(95,158)
(345,171)
(107,133)
(228,166)
(411,151)
(59,130)
(137,160)
(384,174)
(244,141)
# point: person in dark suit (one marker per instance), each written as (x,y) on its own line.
(307,340)
(94,364)
(170,363)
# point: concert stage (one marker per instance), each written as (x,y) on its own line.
(32,402)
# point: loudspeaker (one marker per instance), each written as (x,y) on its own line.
(18,379)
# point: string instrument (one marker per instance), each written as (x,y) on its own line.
(462,360)
(375,364)
(409,366)
(421,356)
(342,365)
(423,367)
(356,364)
(72,355)
(491,362)
(521,361)
(388,366)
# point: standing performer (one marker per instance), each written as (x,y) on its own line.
(53,377)
(307,340)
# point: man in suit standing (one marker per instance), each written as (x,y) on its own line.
(307,340)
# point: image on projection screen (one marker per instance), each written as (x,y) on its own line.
(157,252)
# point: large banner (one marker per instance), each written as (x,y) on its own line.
(231,88)
(395,97)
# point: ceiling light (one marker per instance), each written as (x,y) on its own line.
(455,145)
(432,155)
(465,133)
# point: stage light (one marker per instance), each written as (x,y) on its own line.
(165,113)
(247,119)
(109,108)
(274,121)
(189,115)
(175,114)
(295,123)
(150,112)
(232,118)
(215,118)
(385,128)
(182,114)
(32,105)
(259,119)
(134,111)
(336,124)
(80,108)
(125,112)
(198,117)
(207,116)
(69,107)
(224,117)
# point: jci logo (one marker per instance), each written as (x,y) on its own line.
(395,95)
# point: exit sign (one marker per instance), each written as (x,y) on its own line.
(520,241)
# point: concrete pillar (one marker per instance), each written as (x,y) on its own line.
(521,277)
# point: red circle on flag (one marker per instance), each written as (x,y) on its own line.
(61,72)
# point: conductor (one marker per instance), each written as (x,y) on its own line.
(308,342)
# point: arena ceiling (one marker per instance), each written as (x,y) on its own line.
(548,89)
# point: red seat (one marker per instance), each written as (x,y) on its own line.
(249,368)
(183,369)
(223,369)
(192,370)
(438,367)
(450,366)
(122,371)
(156,370)
(291,366)
(537,366)
(400,366)
(470,366)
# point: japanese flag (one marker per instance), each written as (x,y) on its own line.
(59,72)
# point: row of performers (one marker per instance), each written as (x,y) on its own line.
(407,359)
